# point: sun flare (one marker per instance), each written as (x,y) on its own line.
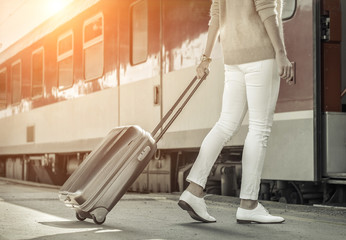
(54,6)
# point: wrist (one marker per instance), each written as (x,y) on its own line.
(205,58)
(280,52)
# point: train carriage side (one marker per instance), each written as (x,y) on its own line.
(76,72)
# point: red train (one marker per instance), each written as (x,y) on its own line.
(99,64)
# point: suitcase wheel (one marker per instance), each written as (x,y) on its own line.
(99,215)
(98,221)
(79,217)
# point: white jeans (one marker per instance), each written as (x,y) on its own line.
(253,87)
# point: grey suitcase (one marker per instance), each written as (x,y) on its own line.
(105,175)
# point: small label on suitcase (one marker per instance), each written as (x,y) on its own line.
(144,153)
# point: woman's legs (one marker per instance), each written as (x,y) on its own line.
(234,107)
(254,86)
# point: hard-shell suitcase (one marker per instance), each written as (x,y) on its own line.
(104,176)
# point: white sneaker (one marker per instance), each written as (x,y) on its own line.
(195,206)
(257,215)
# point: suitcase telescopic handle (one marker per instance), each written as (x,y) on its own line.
(170,112)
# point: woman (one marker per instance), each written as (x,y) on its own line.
(255,58)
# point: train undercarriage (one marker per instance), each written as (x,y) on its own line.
(167,172)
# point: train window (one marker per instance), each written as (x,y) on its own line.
(289,8)
(37,73)
(139,32)
(3,88)
(65,60)
(93,47)
(16,77)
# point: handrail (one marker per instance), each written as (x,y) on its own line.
(343,93)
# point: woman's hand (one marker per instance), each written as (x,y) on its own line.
(202,68)
(285,68)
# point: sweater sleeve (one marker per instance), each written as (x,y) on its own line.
(214,14)
(265,8)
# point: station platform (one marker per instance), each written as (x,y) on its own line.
(33,211)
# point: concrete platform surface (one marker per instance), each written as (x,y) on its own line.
(34,212)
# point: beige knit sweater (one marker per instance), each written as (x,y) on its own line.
(242,33)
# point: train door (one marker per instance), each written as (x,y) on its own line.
(139,33)
(333,75)
(308,135)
